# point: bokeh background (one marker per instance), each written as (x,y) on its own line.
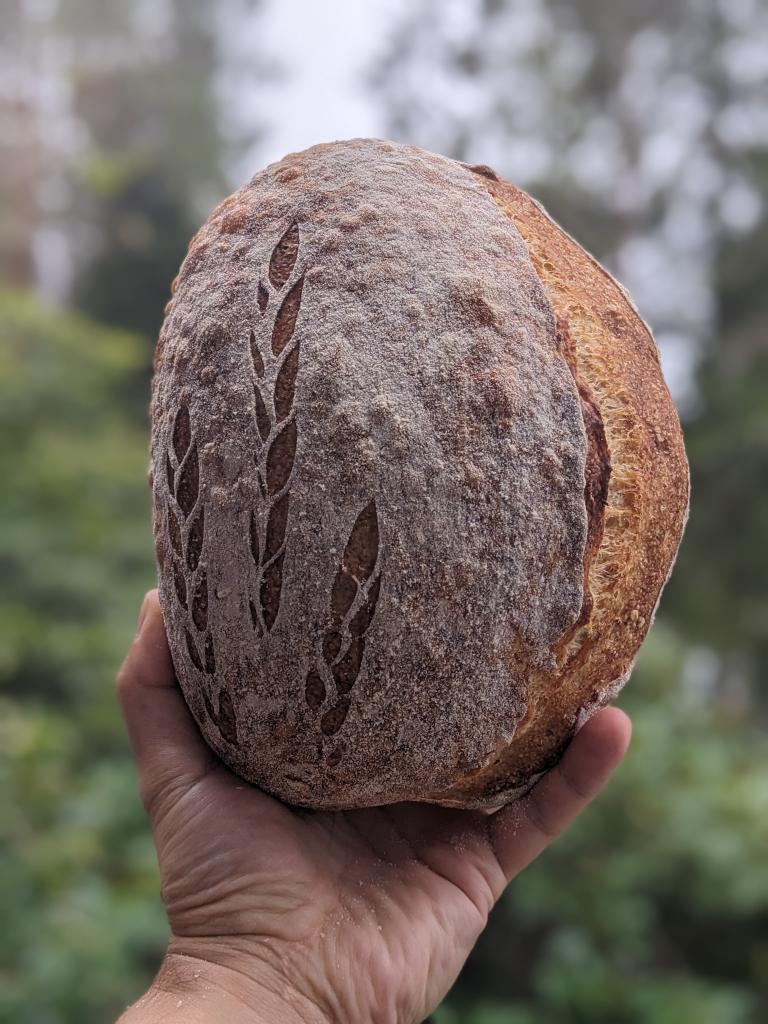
(644,128)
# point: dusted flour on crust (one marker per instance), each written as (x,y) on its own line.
(378,477)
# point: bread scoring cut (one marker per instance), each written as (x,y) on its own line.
(643,492)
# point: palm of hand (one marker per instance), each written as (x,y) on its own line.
(363,913)
(401,890)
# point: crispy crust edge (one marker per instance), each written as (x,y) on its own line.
(616,366)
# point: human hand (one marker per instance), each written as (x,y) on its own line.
(283,914)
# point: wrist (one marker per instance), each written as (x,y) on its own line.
(190,989)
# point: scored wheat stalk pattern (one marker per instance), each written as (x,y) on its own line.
(185,517)
(354,597)
(356,587)
(275,370)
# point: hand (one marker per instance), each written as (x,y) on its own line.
(288,915)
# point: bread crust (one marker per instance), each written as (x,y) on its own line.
(616,366)
(417,481)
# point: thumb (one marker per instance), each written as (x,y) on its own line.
(170,753)
(523,829)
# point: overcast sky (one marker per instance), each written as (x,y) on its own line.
(325,48)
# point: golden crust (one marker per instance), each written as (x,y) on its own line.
(617,365)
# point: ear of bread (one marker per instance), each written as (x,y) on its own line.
(417,480)
(639,494)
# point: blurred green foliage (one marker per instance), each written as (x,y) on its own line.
(133,164)
(719,595)
(78,885)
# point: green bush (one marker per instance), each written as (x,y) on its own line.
(78,882)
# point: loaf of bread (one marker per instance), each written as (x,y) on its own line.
(418,481)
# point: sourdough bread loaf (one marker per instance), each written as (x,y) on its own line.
(418,481)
